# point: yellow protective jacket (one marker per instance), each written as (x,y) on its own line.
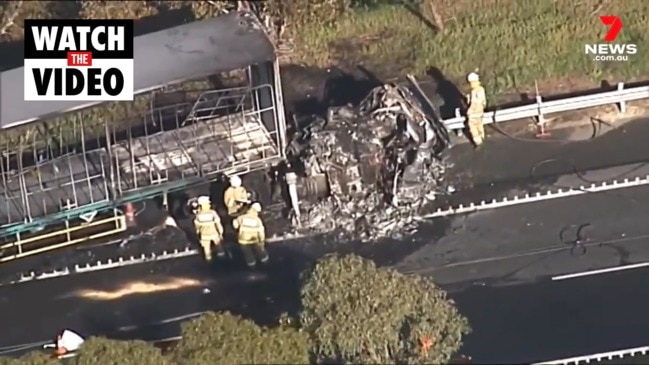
(477,100)
(234,199)
(250,228)
(208,226)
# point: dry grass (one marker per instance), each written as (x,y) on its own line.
(512,43)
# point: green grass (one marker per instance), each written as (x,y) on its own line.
(512,42)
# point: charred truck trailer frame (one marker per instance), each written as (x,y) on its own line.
(68,182)
(71,183)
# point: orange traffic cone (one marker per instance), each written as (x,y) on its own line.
(129,213)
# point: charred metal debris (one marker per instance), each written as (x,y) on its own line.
(364,172)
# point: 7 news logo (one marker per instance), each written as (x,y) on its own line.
(79,60)
(608,51)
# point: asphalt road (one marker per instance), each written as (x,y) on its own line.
(553,320)
(524,243)
(513,322)
(498,266)
(526,164)
(517,313)
(36,311)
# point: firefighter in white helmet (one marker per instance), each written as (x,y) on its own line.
(235,197)
(67,342)
(251,235)
(209,228)
(477,101)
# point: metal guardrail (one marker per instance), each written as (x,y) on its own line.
(612,355)
(541,108)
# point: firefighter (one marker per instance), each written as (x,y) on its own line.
(209,228)
(251,235)
(235,197)
(67,342)
(477,101)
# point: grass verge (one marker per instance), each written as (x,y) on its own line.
(512,42)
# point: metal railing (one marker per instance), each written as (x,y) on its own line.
(604,356)
(541,108)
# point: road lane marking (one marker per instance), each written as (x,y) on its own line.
(161,322)
(550,194)
(541,251)
(601,271)
(612,355)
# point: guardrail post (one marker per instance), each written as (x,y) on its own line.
(540,119)
(622,106)
(165,200)
(458,114)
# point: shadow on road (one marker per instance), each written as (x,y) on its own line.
(263,294)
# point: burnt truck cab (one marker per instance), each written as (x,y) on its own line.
(368,162)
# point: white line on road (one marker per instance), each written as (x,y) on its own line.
(161,322)
(26,346)
(619,354)
(550,194)
(601,271)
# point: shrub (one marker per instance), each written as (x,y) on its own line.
(222,338)
(359,313)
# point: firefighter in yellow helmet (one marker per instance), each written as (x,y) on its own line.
(251,235)
(235,197)
(477,101)
(209,228)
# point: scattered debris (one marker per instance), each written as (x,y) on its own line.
(152,234)
(365,171)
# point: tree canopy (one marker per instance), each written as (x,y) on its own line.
(102,351)
(359,313)
(352,312)
(222,338)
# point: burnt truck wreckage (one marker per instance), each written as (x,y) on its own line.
(362,171)
(365,171)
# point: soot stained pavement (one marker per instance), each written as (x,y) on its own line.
(36,311)
(531,321)
(517,313)
(507,165)
(524,242)
(50,304)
